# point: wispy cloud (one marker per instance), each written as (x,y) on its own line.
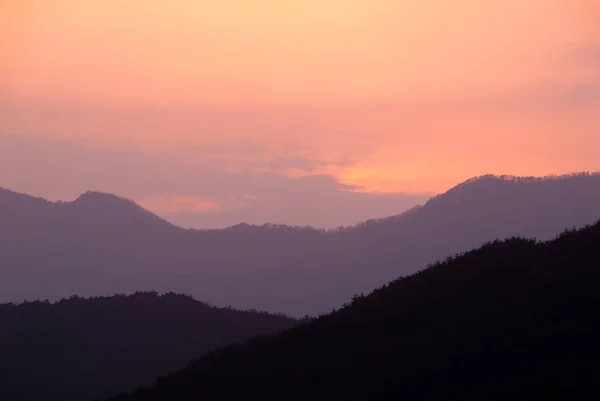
(178,204)
(192,193)
(216,101)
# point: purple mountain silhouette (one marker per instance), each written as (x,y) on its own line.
(101,244)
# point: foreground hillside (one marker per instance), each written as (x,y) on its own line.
(100,244)
(513,320)
(78,349)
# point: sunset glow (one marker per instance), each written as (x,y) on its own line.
(384,96)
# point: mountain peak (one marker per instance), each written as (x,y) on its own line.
(97,197)
(492,185)
(525,179)
(111,207)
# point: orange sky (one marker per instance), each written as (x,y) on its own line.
(406,96)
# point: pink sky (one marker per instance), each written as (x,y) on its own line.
(299,111)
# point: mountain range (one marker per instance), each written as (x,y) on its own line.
(101,244)
(514,319)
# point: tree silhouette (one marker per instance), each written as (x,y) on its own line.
(79,348)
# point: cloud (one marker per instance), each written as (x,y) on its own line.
(588,53)
(191,192)
(318,201)
(295,163)
(178,204)
(387,146)
(273,122)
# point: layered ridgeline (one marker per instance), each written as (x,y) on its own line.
(512,320)
(78,349)
(100,244)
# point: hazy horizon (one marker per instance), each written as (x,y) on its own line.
(320,113)
(218,221)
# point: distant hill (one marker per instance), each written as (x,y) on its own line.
(101,244)
(512,320)
(78,349)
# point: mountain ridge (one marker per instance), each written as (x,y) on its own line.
(513,319)
(279,268)
(81,348)
(95,195)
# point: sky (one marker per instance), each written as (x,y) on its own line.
(306,112)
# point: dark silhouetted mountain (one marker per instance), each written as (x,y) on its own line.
(78,349)
(102,244)
(513,320)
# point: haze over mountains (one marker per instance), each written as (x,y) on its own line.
(101,244)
